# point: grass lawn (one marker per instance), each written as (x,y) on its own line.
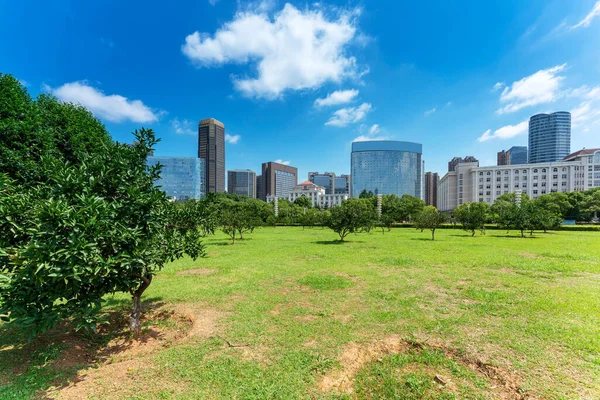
(289,313)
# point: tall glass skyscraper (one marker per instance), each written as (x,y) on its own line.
(549,137)
(242,182)
(181,178)
(387,167)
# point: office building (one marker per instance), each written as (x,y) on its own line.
(259,188)
(503,158)
(432,180)
(242,182)
(316,194)
(470,183)
(457,160)
(211,148)
(549,137)
(517,155)
(278,180)
(333,184)
(387,167)
(181,178)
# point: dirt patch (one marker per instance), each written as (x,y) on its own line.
(197,272)
(117,366)
(529,255)
(503,384)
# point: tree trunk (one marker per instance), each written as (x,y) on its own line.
(473,233)
(136,313)
(433,234)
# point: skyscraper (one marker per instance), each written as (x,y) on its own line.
(387,167)
(549,137)
(330,182)
(242,182)
(503,158)
(278,179)
(181,178)
(517,155)
(211,148)
(259,188)
(458,160)
(432,179)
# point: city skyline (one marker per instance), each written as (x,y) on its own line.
(451,90)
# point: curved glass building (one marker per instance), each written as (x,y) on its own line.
(387,167)
(549,137)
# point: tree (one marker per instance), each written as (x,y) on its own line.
(430,218)
(410,206)
(303,202)
(510,215)
(80,216)
(242,216)
(472,216)
(392,210)
(353,216)
(366,195)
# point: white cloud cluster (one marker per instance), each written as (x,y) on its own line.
(280,161)
(293,50)
(506,132)
(113,108)
(349,115)
(374,129)
(429,112)
(370,135)
(498,86)
(539,88)
(587,20)
(233,139)
(184,127)
(337,97)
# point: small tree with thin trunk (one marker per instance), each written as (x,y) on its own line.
(353,216)
(430,218)
(472,216)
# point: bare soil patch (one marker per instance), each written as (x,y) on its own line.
(503,383)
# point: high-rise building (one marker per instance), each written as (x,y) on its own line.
(181,178)
(330,182)
(242,182)
(387,167)
(503,158)
(549,137)
(457,160)
(259,188)
(211,148)
(432,180)
(278,180)
(517,155)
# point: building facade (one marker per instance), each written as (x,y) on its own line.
(470,183)
(503,158)
(457,160)
(432,180)
(242,182)
(316,194)
(517,155)
(211,148)
(278,180)
(259,188)
(387,167)
(549,137)
(333,184)
(181,178)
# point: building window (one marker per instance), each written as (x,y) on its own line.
(564,183)
(555,170)
(554,176)
(543,169)
(564,169)
(488,173)
(564,176)
(506,172)
(535,177)
(481,173)
(535,171)
(535,192)
(516,172)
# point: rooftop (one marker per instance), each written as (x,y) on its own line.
(583,152)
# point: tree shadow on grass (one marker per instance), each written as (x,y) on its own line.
(338,242)
(424,239)
(516,237)
(53,359)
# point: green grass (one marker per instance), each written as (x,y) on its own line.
(527,306)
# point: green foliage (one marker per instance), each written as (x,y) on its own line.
(353,216)
(430,218)
(472,216)
(242,216)
(366,195)
(78,220)
(303,202)
(530,215)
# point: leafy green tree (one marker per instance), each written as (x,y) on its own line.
(472,216)
(592,203)
(353,216)
(303,202)
(430,218)
(556,202)
(366,195)
(242,216)
(410,206)
(392,210)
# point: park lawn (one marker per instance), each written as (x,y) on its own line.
(291,313)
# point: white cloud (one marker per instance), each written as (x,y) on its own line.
(448,104)
(184,127)
(293,49)
(349,115)
(280,161)
(113,108)
(541,87)
(337,97)
(506,132)
(429,112)
(233,139)
(498,86)
(371,134)
(585,22)
(374,129)
(23,82)
(585,113)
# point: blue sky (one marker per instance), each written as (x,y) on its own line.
(300,81)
